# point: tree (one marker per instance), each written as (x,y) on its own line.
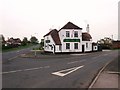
(106,43)
(25,41)
(2,40)
(42,44)
(34,40)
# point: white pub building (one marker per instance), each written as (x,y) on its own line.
(69,38)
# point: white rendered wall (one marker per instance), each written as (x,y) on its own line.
(62,35)
(89,48)
(48,48)
(57,48)
(95,48)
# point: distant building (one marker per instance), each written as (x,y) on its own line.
(94,46)
(69,38)
(116,44)
(13,41)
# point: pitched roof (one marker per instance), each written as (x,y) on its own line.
(86,37)
(48,33)
(54,34)
(94,43)
(70,25)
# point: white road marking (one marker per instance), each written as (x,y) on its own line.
(77,54)
(61,73)
(76,61)
(10,72)
(107,50)
(12,58)
(24,70)
(32,69)
(72,62)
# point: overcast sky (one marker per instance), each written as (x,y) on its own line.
(23,18)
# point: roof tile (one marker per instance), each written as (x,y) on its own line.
(54,34)
(86,37)
(70,25)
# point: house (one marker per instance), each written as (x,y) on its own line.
(69,38)
(116,44)
(94,46)
(14,41)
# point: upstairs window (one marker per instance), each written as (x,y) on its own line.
(75,33)
(67,34)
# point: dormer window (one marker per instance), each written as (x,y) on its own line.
(67,34)
(75,33)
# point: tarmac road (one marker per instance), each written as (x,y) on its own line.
(7,56)
(55,71)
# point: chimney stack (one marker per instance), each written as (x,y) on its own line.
(87,28)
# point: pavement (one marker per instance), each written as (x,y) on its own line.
(109,76)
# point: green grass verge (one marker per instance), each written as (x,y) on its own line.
(17,48)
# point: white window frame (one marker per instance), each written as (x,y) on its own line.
(75,33)
(67,46)
(75,45)
(67,33)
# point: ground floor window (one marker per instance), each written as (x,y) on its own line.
(67,45)
(75,45)
(86,45)
(51,47)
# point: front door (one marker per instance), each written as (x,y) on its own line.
(83,48)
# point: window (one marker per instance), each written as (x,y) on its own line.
(47,46)
(47,41)
(51,47)
(95,47)
(67,34)
(86,45)
(67,45)
(75,33)
(75,45)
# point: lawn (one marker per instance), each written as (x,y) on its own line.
(17,48)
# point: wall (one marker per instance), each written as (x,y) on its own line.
(95,48)
(89,48)
(57,49)
(47,45)
(62,35)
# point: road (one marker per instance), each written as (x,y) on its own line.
(7,56)
(55,71)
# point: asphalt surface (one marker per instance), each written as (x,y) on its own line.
(109,77)
(113,66)
(7,56)
(46,71)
